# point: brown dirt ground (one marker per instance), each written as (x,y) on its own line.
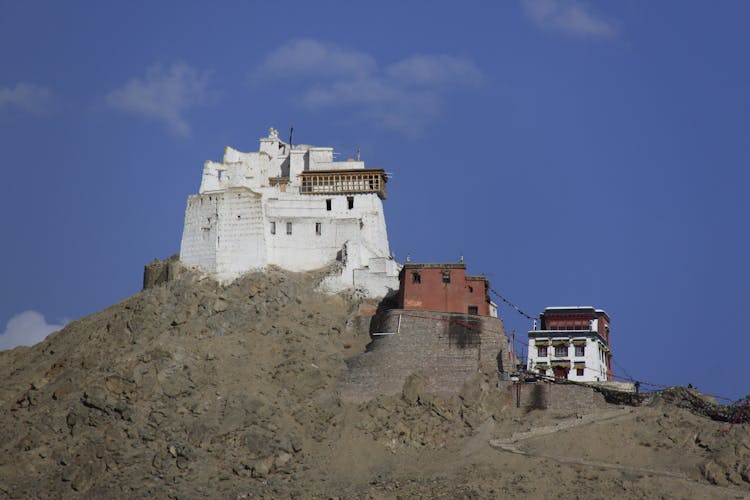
(191,389)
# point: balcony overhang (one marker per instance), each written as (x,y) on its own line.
(354,181)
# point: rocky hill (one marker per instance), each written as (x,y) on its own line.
(192,389)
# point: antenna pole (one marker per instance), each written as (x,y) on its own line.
(291,135)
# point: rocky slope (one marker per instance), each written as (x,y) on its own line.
(192,389)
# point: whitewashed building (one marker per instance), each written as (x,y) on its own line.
(571,343)
(292,207)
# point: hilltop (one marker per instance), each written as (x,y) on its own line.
(194,389)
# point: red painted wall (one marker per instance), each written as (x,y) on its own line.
(568,321)
(432,294)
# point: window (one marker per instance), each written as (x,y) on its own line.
(273,228)
(446,276)
(542,371)
(328,204)
(473,310)
(579,372)
(416,278)
(561,351)
(288,228)
(471,289)
(541,351)
(318,228)
(580,350)
(350,202)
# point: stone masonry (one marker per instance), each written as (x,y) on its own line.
(447,348)
(547,396)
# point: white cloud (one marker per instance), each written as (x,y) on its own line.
(435,70)
(570,17)
(311,57)
(404,95)
(25,96)
(26,328)
(165,94)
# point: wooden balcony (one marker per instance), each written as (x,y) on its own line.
(356,181)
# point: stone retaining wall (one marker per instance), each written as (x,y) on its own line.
(548,396)
(447,348)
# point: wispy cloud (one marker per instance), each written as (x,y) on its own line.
(404,95)
(570,17)
(311,57)
(165,94)
(26,328)
(434,70)
(26,97)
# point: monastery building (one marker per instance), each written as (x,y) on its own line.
(572,343)
(444,287)
(293,207)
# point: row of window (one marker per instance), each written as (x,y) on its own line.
(579,372)
(416,277)
(318,228)
(349,203)
(561,351)
(581,326)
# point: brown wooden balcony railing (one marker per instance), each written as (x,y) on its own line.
(357,181)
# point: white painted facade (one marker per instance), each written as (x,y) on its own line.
(250,213)
(572,342)
(551,342)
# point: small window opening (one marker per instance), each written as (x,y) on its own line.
(318,228)
(579,372)
(446,276)
(288,228)
(473,309)
(416,278)
(328,204)
(471,289)
(239,216)
(273,228)
(350,201)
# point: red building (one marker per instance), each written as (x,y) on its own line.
(445,288)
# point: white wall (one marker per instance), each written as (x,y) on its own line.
(198,246)
(241,240)
(228,225)
(595,369)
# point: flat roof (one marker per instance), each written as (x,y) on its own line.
(345,171)
(435,265)
(575,309)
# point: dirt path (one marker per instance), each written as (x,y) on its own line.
(511,445)
(587,419)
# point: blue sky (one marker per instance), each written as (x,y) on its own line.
(578,153)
